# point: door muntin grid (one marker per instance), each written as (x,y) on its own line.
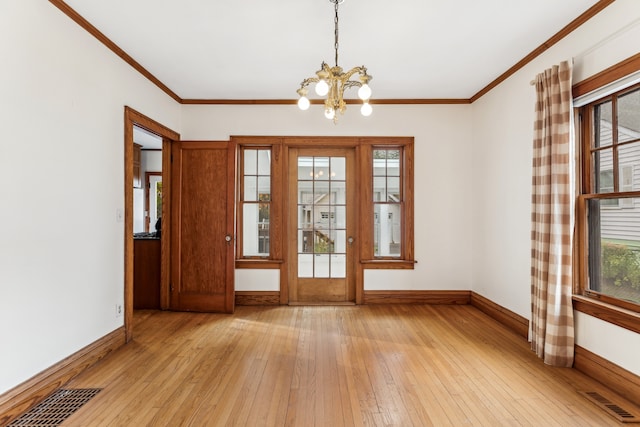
(322,214)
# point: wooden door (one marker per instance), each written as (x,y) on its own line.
(202,243)
(321,226)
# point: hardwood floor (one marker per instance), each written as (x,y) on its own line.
(378,365)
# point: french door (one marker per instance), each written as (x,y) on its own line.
(321,225)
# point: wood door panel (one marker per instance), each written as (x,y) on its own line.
(200,270)
(322,290)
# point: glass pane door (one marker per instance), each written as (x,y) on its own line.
(321,249)
(322,213)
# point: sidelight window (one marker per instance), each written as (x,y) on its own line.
(256,202)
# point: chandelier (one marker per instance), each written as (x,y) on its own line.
(332,82)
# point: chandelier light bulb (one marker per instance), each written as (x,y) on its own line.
(303,103)
(329,113)
(364,92)
(366,109)
(322,88)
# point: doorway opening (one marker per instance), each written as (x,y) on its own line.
(140,128)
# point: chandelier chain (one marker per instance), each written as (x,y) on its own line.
(336,29)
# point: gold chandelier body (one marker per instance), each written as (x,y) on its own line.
(332,82)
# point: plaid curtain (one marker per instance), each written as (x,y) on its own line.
(552,334)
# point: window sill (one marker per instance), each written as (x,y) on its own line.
(397,264)
(259,263)
(609,313)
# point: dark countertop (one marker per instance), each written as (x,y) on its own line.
(145,236)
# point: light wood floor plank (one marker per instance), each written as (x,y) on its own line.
(396,365)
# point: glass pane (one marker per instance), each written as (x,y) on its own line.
(305,192)
(338,192)
(321,168)
(603,169)
(629,116)
(324,220)
(379,189)
(379,165)
(393,189)
(322,242)
(305,168)
(614,250)
(626,177)
(338,266)
(264,188)
(263,213)
(250,162)
(264,162)
(387,226)
(158,198)
(305,265)
(393,163)
(340,216)
(321,193)
(322,265)
(338,168)
(305,217)
(305,240)
(255,229)
(628,163)
(339,238)
(376,229)
(250,189)
(603,124)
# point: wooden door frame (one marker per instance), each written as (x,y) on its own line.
(320,142)
(131,118)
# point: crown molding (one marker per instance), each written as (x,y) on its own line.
(76,17)
(569,28)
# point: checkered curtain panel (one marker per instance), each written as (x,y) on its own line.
(552,334)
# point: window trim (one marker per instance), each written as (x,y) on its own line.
(605,307)
(364,152)
(241,202)
(406,260)
(275,259)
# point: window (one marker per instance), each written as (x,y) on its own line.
(255,204)
(384,200)
(387,201)
(387,209)
(610,220)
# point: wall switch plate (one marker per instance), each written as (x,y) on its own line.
(119,215)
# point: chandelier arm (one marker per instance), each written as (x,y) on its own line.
(360,70)
(307,82)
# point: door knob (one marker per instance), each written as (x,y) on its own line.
(350,240)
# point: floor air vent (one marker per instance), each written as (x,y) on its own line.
(611,408)
(56,408)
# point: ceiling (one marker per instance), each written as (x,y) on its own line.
(258,49)
(146,139)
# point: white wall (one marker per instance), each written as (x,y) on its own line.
(62,98)
(61,276)
(502,150)
(442,175)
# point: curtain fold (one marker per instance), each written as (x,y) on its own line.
(552,217)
